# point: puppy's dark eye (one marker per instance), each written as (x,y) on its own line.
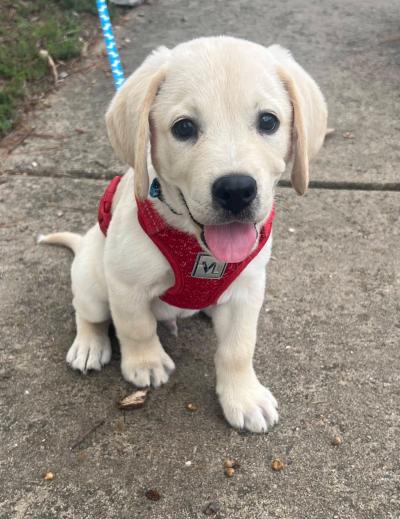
(184,130)
(267,123)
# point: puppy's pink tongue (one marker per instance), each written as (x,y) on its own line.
(232,242)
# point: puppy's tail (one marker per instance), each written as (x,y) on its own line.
(67,239)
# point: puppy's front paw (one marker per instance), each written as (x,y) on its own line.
(248,405)
(89,352)
(149,368)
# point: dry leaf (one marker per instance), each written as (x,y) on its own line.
(134,401)
(211,508)
(153,494)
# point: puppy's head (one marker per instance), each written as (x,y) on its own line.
(223,117)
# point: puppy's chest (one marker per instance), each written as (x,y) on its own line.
(171,264)
(202,266)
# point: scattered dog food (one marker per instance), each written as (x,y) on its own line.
(229,472)
(49,476)
(337,440)
(134,401)
(153,494)
(231,464)
(277,464)
(191,407)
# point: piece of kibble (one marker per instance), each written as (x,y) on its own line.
(230,463)
(277,464)
(229,472)
(191,407)
(49,476)
(337,440)
(153,494)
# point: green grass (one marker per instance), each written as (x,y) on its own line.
(26,26)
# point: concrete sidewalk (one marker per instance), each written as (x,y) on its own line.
(351,49)
(329,335)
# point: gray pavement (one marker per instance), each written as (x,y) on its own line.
(329,335)
(351,48)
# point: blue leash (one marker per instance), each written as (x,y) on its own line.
(111,46)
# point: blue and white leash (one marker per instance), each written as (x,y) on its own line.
(111,46)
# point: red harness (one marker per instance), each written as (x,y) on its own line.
(199,279)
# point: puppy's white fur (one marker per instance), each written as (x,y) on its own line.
(223,83)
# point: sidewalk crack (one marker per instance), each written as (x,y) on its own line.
(314,184)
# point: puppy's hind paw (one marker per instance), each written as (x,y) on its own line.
(89,353)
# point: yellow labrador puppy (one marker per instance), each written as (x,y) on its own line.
(210,125)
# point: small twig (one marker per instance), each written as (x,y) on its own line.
(99,163)
(44,54)
(86,434)
(47,148)
(393,39)
(10,224)
(49,136)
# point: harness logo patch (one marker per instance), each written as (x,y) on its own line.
(208,267)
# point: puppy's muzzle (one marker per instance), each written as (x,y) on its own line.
(234,192)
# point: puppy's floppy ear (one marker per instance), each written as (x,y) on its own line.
(128,115)
(310,115)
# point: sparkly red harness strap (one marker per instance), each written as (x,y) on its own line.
(199,279)
(185,256)
(105,205)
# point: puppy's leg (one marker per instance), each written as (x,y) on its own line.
(143,360)
(245,401)
(91,348)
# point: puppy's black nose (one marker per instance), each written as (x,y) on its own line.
(234,192)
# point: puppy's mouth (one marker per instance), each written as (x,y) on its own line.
(229,242)
(232,242)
